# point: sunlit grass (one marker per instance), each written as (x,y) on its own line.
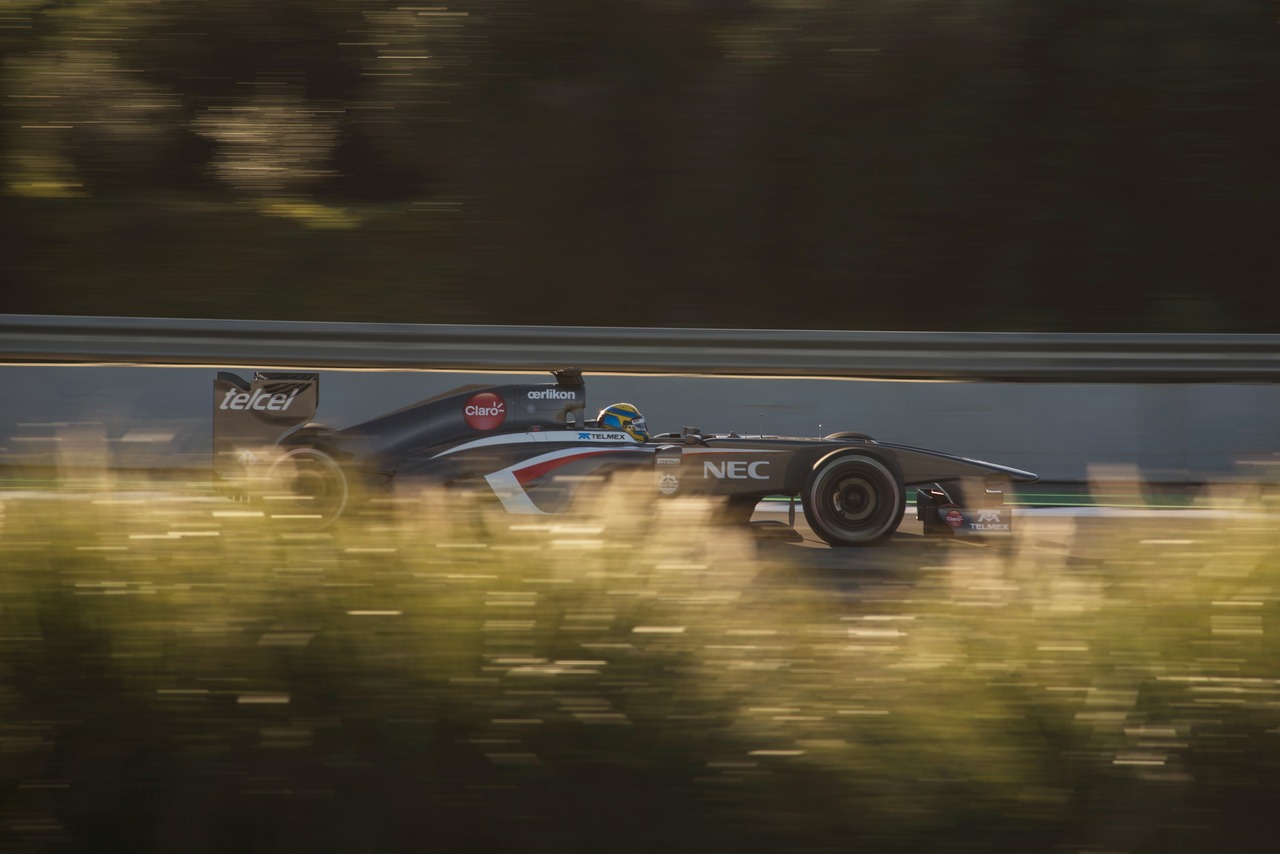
(311,214)
(632,674)
(46,189)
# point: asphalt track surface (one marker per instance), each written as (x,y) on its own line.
(794,554)
(1064,535)
(772,523)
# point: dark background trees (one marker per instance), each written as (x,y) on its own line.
(968,164)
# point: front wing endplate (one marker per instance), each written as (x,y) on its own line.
(941,515)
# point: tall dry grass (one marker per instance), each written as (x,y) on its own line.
(179,673)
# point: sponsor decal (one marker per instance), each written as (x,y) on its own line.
(604,437)
(735,470)
(989,521)
(259,400)
(484,411)
(668,484)
(552,394)
(668,461)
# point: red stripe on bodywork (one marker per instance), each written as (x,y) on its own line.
(534,472)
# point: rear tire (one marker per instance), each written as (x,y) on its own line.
(306,485)
(854,499)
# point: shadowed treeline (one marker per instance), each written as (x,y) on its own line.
(984,164)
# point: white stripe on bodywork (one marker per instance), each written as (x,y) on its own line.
(513,496)
(693,452)
(556,436)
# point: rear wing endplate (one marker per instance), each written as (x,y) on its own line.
(250,417)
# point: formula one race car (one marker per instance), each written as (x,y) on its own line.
(531,446)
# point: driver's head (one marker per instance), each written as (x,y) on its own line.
(625,417)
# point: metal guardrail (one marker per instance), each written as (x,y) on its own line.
(1008,356)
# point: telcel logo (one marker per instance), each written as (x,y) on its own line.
(735,470)
(484,411)
(259,400)
(552,394)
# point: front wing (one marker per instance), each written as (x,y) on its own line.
(942,514)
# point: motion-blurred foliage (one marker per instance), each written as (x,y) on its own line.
(179,674)
(1063,164)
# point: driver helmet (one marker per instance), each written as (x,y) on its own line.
(624,416)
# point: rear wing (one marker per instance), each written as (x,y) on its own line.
(249,417)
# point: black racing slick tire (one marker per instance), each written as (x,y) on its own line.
(306,485)
(854,499)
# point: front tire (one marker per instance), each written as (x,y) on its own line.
(854,499)
(861,437)
(306,485)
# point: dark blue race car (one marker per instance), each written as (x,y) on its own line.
(532,446)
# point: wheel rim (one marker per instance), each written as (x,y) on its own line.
(855,501)
(316,484)
(307,484)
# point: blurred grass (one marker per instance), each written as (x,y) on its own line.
(176,673)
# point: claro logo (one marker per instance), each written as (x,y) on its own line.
(735,470)
(259,400)
(484,411)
